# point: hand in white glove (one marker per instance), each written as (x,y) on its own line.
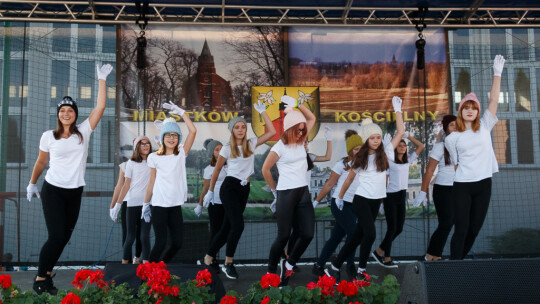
(157,140)
(173,109)
(406,135)
(387,139)
(396,103)
(274,192)
(498,65)
(420,199)
(146,213)
(259,107)
(113,212)
(104,71)
(328,133)
(208,198)
(339,203)
(31,189)
(381,209)
(198,210)
(273,206)
(289,101)
(315,204)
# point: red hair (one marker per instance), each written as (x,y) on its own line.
(460,123)
(289,136)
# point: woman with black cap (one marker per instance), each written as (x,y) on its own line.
(65,150)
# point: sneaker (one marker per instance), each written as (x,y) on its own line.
(285,275)
(46,285)
(136,260)
(333,273)
(230,271)
(317,271)
(390,264)
(352,273)
(379,259)
(363,276)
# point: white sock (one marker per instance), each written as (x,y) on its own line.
(288,266)
(361,270)
(334,267)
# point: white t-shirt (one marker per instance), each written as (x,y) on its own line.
(339,168)
(372,183)
(67,157)
(308,173)
(398,175)
(473,151)
(239,167)
(123,167)
(445,177)
(207,174)
(139,173)
(170,186)
(292,165)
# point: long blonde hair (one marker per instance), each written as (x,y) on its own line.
(235,152)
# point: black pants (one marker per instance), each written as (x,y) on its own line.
(216,215)
(137,228)
(394,210)
(234,198)
(366,211)
(61,210)
(442,198)
(123,216)
(166,220)
(293,205)
(471,203)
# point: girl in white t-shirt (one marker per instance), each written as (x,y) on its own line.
(345,218)
(293,199)
(395,200)
(137,176)
(369,169)
(472,152)
(442,191)
(167,187)
(65,150)
(238,153)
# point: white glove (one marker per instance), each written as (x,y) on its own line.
(198,210)
(315,203)
(274,192)
(173,109)
(339,203)
(381,209)
(146,213)
(273,206)
(387,139)
(406,135)
(31,190)
(396,103)
(157,140)
(104,71)
(208,198)
(289,101)
(498,65)
(328,133)
(420,199)
(259,106)
(243,182)
(113,212)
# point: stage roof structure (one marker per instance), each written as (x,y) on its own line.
(352,13)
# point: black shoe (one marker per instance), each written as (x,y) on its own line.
(230,271)
(296,269)
(390,264)
(285,274)
(45,286)
(317,271)
(377,257)
(363,276)
(333,273)
(213,267)
(352,272)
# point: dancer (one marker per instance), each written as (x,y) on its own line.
(472,152)
(396,196)
(442,191)
(293,199)
(369,168)
(65,150)
(344,214)
(216,213)
(137,177)
(234,192)
(167,188)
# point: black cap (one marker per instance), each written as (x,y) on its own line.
(68,101)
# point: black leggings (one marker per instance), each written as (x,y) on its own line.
(163,220)
(471,203)
(366,211)
(216,215)
(442,198)
(137,228)
(123,215)
(234,198)
(293,205)
(61,210)
(394,210)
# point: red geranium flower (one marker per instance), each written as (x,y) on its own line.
(265,300)
(270,279)
(326,283)
(93,276)
(71,298)
(347,288)
(228,300)
(204,277)
(361,283)
(5,281)
(356,303)
(311,285)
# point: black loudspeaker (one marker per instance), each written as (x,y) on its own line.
(478,281)
(122,273)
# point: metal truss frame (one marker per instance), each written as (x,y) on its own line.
(198,12)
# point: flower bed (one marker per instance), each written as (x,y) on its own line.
(161,287)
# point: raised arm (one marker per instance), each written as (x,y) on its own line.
(328,155)
(97,112)
(270,130)
(191,135)
(498,65)
(269,162)
(418,144)
(400,126)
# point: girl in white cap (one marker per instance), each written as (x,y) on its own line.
(65,150)
(137,175)
(167,188)
(471,151)
(234,192)
(293,201)
(369,168)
